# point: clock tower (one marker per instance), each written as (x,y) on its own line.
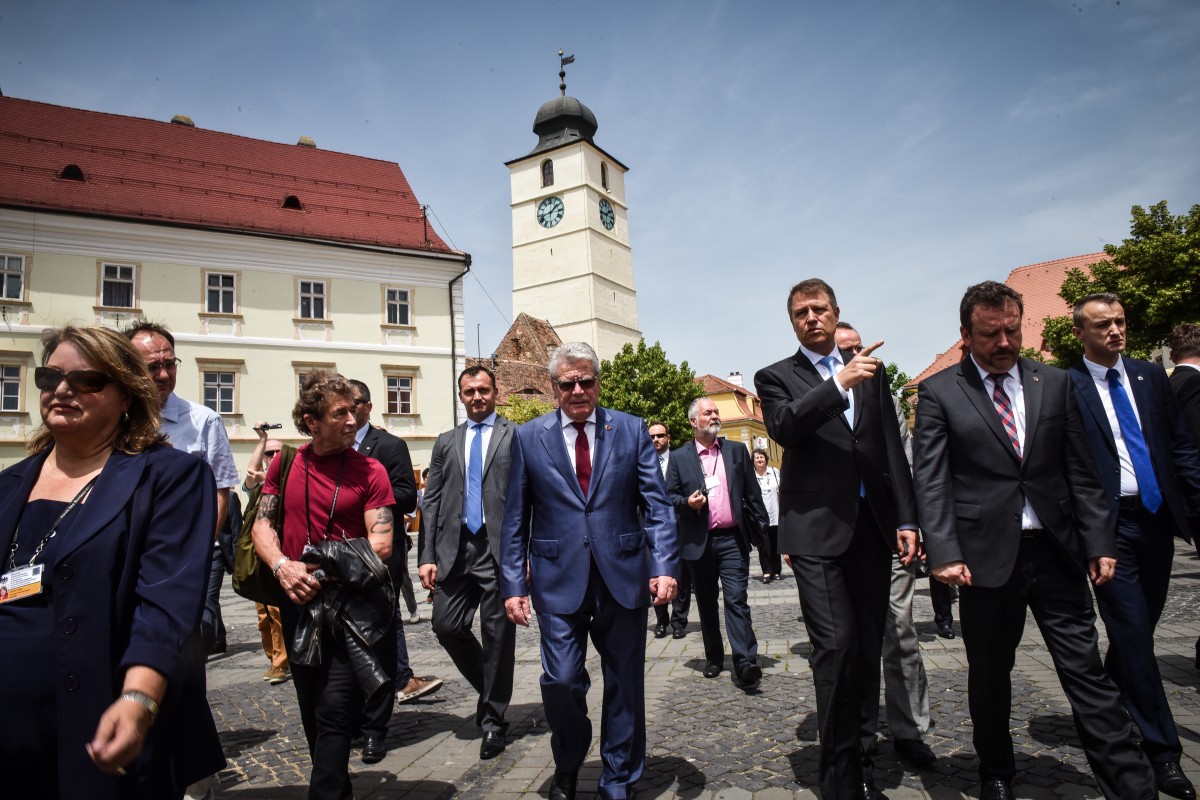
(572,263)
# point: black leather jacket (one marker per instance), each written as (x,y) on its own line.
(356,603)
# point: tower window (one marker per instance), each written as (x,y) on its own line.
(604,174)
(547,173)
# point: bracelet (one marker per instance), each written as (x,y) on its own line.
(144,700)
(278,564)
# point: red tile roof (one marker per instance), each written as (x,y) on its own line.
(750,408)
(139,169)
(1039,285)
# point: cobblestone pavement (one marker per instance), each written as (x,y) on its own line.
(706,738)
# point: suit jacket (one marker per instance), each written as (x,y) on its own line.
(1185,381)
(625,523)
(972,487)
(129,580)
(392,452)
(1174,455)
(685,475)
(826,461)
(446,486)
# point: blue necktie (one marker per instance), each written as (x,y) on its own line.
(474,515)
(1132,434)
(848,413)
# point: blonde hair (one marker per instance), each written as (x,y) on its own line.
(114,355)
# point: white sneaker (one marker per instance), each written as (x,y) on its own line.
(413,618)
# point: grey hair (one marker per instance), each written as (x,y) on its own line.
(691,414)
(571,352)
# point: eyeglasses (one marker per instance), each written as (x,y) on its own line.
(84,381)
(169,364)
(271,453)
(359,402)
(856,349)
(583,383)
(660,436)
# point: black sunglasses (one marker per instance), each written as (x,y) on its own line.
(271,453)
(84,381)
(659,435)
(583,383)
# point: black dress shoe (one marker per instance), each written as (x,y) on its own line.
(712,670)
(373,750)
(562,787)
(946,631)
(492,745)
(1171,780)
(915,752)
(996,789)
(660,631)
(869,792)
(749,677)
(680,633)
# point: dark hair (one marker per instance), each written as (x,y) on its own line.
(1185,341)
(811,286)
(320,388)
(362,388)
(659,423)
(846,326)
(114,355)
(758,451)
(1107,298)
(472,371)
(988,294)
(147,326)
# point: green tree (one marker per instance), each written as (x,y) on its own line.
(521,408)
(1156,273)
(644,382)
(896,380)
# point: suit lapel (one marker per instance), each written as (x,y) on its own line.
(121,475)
(1031,390)
(601,453)
(1141,389)
(458,446)
(17,483)
(1085,386)
(973,387)
(499,431)
(556,450)
(809,375)
(368,442)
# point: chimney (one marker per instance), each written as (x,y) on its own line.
(736,379)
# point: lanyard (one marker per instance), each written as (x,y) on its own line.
(308,505)
(12,552)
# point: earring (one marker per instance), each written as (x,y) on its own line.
(125,417)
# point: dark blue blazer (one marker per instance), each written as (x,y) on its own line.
(1174,455)
(626,523)
(128,587)
(685,475)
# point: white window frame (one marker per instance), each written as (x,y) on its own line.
(120,279)
(12,387)
(221,292)
(389,303)
(301,369)
(22,273)
(313,297)
(400,400)
(224,383)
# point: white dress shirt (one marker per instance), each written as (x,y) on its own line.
(1099,375)
(1016,395)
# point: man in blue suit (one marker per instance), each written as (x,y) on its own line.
(1150,469)
(587,512)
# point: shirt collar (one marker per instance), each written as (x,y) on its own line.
(1013,372)
(566,421)
(816,357)
(1100,372)
(716,446)
(173,409)
(488,422)
(361,434)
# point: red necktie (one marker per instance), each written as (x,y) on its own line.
(583,458)
(1005,410)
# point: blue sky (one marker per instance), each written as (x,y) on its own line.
(901,150)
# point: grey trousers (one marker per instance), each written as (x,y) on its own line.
(905,687)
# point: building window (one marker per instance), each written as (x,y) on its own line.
(10,387)
(218,391)
(547,173)
(12,277)
(117,288)
(220,293)
(302,369)
(399,394)
(604,174)
(312,299)
(399,306)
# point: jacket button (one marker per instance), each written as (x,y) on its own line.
(65,573)
(1017,517)
(68,625)
(71,683)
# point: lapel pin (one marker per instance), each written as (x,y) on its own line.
(1036,379)
(1139,377)
(608,427)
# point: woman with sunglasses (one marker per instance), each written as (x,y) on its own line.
(105,532)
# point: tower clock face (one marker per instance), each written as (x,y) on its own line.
(550,212)
(606,214)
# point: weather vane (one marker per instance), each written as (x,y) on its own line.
(562,70)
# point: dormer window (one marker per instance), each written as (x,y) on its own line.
(292,202)
(547,173)
(71,172)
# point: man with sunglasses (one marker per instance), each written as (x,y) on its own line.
(676,616)
(589,531)
(198,429)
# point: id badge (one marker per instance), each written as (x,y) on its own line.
(711,482)
(21,582)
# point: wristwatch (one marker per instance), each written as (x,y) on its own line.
(144,700)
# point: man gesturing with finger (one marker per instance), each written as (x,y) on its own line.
(845,506)
(1012,511)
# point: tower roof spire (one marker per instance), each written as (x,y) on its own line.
(562,71)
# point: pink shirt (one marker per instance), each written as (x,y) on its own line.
(720,511)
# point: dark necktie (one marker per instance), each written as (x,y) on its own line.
(474,515)
(1131,432)
(1005,410)
(583,458)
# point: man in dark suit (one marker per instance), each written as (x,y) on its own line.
(392,452)
(845,506)
(1013,514)
(463,508)
(1185,381)
(712,487)
(1150,469)
(587,515)
(674,614)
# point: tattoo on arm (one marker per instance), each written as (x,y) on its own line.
(268,508)
(383,520)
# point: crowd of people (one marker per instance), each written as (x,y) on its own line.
(1020,484)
